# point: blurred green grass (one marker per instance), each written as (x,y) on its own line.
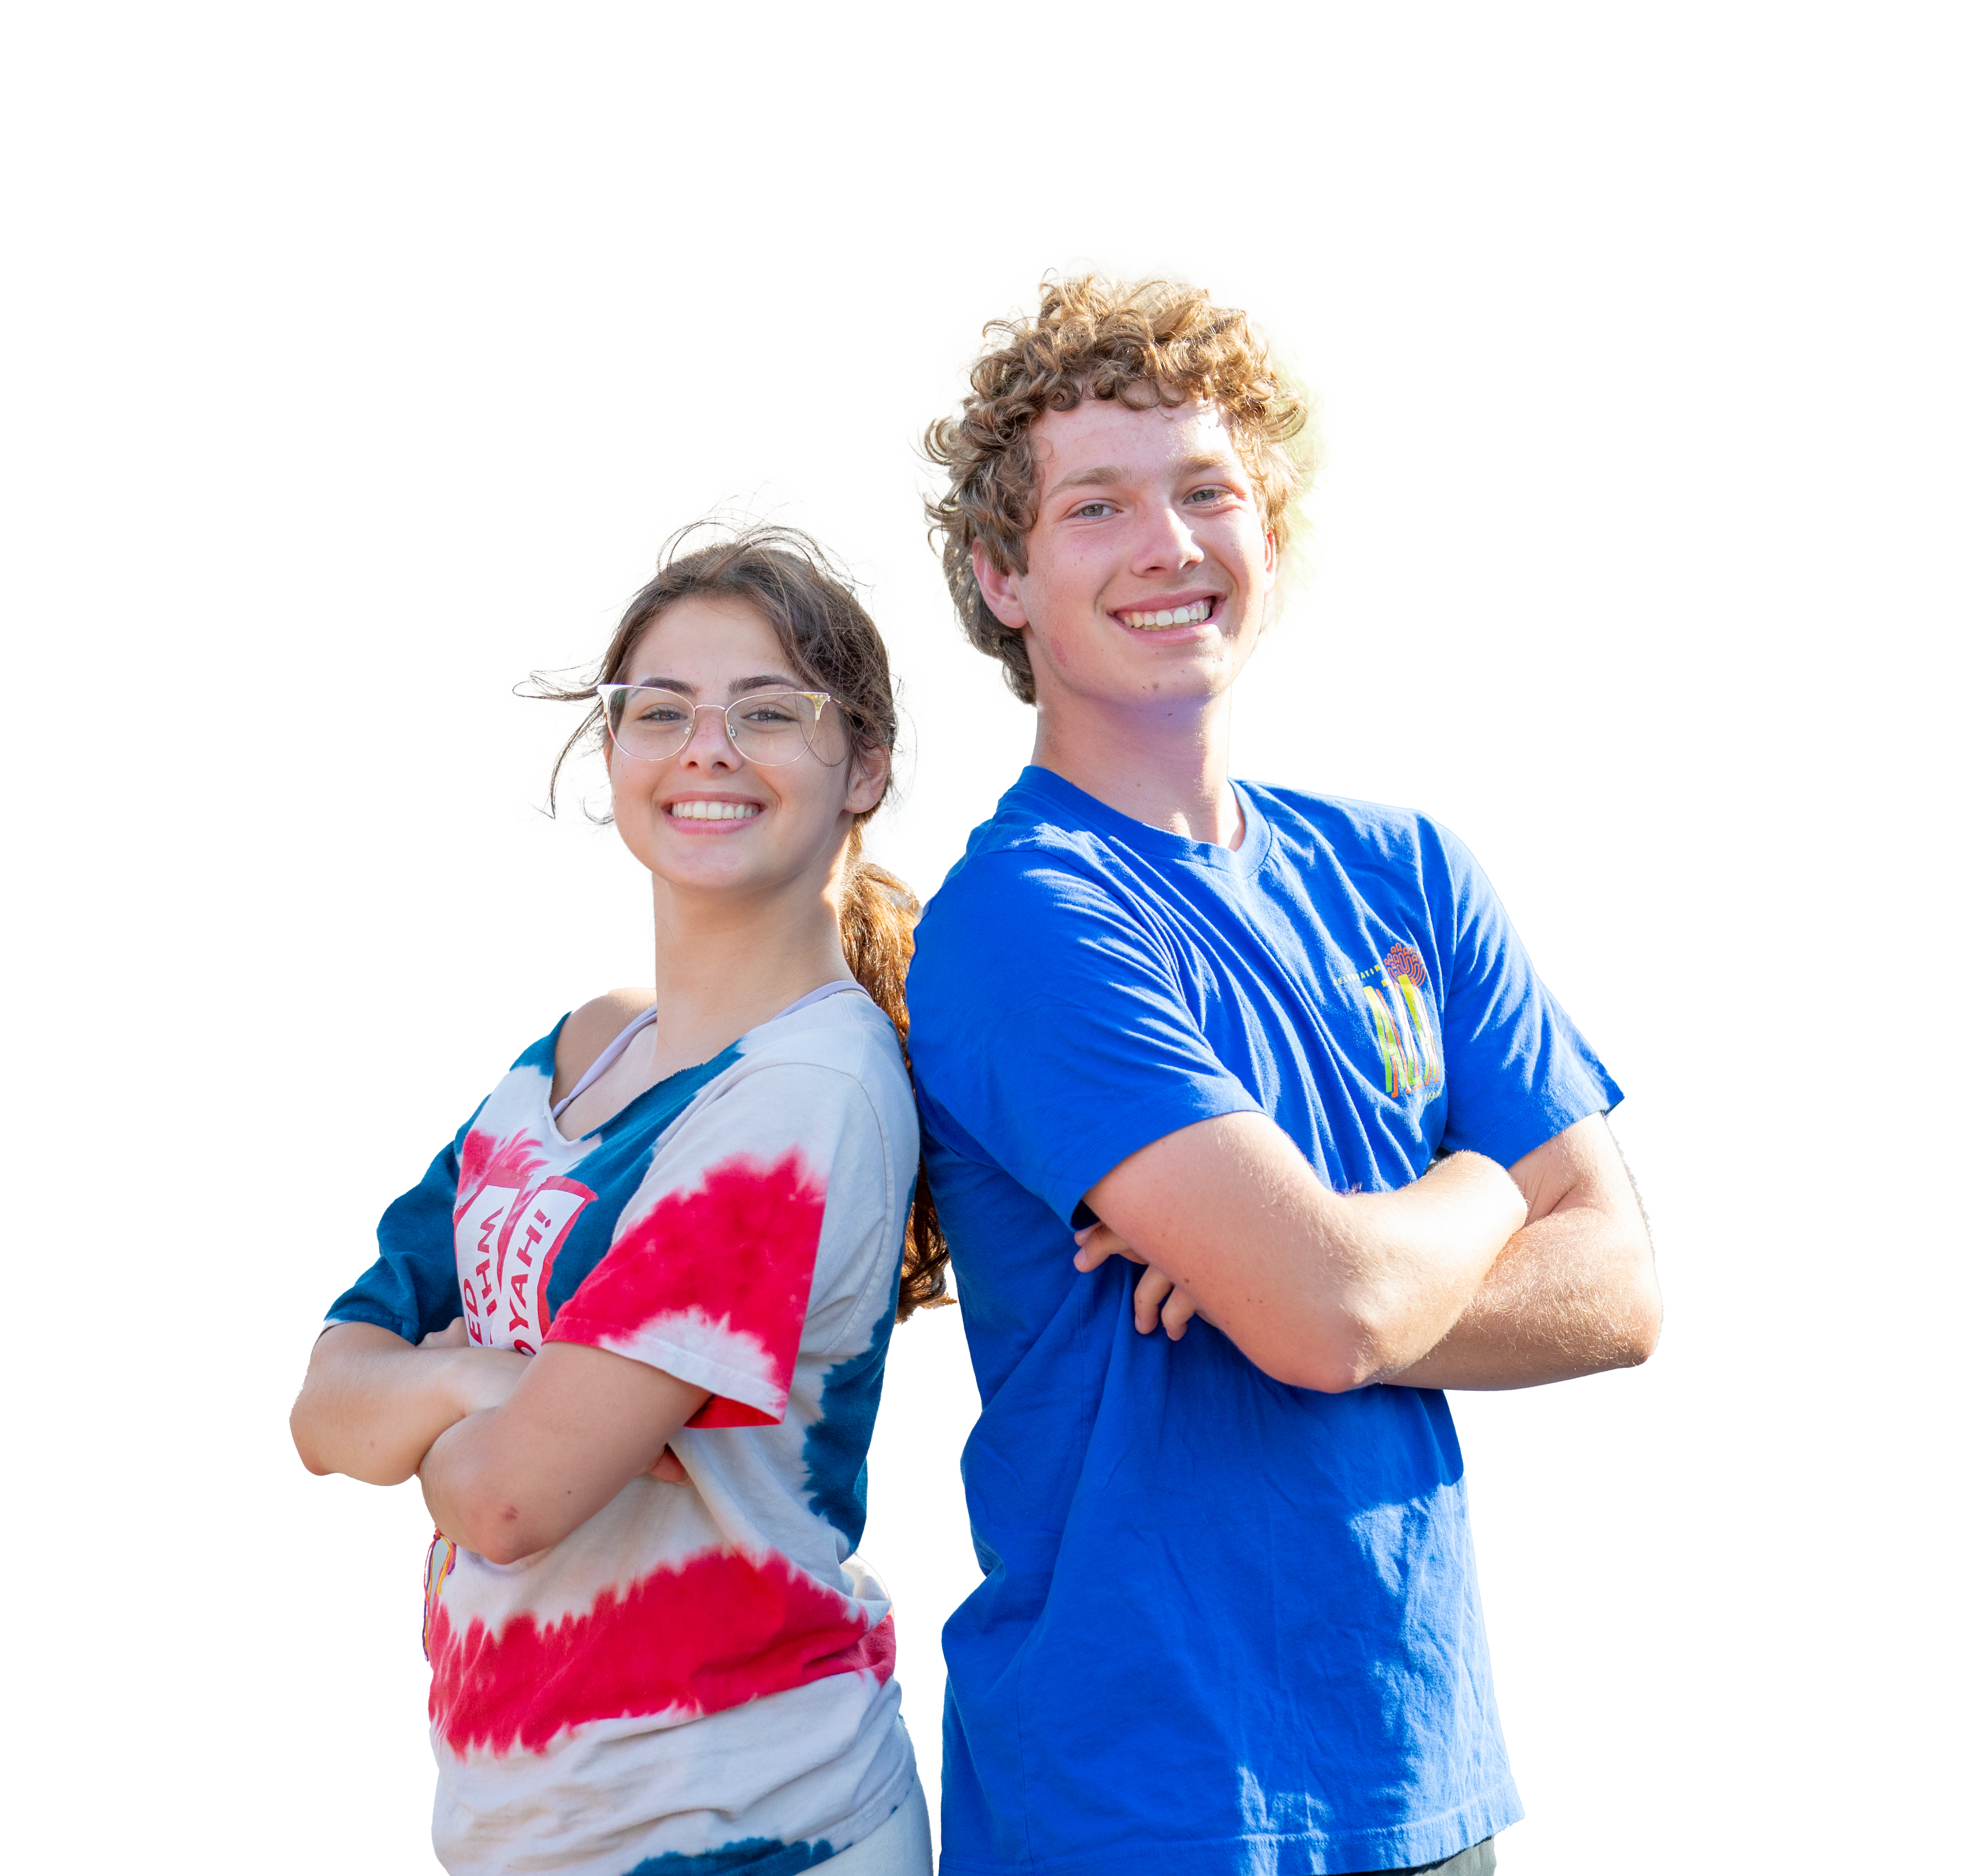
(1556,787)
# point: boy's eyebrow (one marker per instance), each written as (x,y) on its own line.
(1109,473)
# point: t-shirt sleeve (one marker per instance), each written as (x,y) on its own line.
(1051,1030)
(412,1289)
(1518,1072)
(762,1208)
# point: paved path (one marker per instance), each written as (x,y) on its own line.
(413,986)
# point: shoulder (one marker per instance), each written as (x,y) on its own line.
(841,1046)
(590,1028)
(831,1079)
(1376,826)
(1011,887)
(1362,836)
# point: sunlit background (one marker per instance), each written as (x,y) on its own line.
(417,982)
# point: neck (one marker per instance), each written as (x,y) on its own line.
(1164,764)
(725,965)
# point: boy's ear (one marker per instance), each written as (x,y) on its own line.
(998,589)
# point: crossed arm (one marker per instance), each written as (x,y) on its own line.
(514,1451)
(1470,1278)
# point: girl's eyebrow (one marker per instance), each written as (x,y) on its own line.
(737,687)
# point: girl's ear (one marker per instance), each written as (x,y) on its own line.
(870,773)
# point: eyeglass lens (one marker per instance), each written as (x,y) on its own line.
(766,726)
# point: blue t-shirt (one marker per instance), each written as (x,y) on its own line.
(1227,1624)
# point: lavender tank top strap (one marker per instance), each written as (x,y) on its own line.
(603,1064)
(837,988)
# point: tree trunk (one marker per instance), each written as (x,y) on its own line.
(1526,398)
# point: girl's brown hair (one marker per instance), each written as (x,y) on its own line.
(812,606)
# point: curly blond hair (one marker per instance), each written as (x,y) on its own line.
(1141,342)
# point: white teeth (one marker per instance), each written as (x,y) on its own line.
(1194,614)
(712,811)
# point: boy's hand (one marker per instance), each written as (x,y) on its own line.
(1096,1242)
(1157,1299)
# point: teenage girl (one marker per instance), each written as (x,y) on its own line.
(630,1328)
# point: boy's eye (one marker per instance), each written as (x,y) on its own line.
(1090,510)
(1212,493)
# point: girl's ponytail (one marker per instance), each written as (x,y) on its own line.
(877,913)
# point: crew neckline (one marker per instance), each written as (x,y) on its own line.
(1244,861)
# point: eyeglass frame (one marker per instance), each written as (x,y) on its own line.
(819,698)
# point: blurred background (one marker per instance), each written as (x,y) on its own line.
(1475,631)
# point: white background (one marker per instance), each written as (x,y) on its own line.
(258,255)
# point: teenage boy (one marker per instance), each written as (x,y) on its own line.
(1187,1046)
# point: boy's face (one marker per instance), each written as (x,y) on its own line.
(1142,516)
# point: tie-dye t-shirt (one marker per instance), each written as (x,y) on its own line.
(698,1679)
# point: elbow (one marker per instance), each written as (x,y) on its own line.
(479,1516)
(499,1546)
(1637,1337)
(1325,1376)
(1636,1311)
(1338,1357)
(301,1430)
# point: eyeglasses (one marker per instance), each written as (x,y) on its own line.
(768,727)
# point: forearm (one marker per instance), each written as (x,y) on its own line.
(1573,1293)
(1318,1290)
(1387,1274)
(372,1405)
(582,1424)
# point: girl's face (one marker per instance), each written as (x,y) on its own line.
(708,820)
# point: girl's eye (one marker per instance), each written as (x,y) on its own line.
(769,715)
(663,711)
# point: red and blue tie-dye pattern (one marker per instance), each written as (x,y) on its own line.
(741,1242)
(711,1641)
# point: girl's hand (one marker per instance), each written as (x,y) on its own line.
(479,1378)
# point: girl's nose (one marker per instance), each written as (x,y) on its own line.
(710,744)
